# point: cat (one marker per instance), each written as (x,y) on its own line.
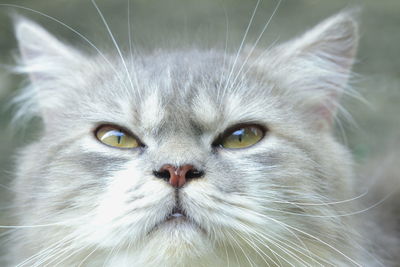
(189,157)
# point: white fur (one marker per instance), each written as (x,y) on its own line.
(265,205)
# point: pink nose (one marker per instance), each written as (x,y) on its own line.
(177,176)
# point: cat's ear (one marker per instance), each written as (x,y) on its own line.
(49,64)
(317,66)
(41,52)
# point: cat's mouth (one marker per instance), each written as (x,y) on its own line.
(177,219)
(177,214)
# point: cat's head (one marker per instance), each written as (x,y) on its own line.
(188,152)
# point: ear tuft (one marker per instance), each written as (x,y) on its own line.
(315,67)
(36,43)
(48,62)
(334,40)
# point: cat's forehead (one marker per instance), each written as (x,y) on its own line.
(189,90)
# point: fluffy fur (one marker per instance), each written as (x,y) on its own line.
(286,201)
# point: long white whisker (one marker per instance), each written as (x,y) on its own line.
(226,252)
(65,250)
(42,252)
(129,30)
(306,234)
(299,249)
(67,256)
(340,214)
(42,225)
(267,237)
(257,41)
(241,46)
(225,54)
(241,248)
(116,47)
(325,203)
(110,253)
(256,248)
(317,239)
(53,256)
(88,255)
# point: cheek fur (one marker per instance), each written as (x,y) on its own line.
(134,203)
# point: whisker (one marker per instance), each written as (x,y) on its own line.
(42,252)
(257,40)
(117,48)
(225,53)
(44,225)
(226,252)
(339,214)
(240,47)
(299,249)
(259,251)
(69,252)
(317,239)
(264,235)
(129,29)
(240,247)
(304,233)
(110,253)
(88,255)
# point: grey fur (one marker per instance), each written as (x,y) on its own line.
(253,205)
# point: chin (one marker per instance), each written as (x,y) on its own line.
(178,240)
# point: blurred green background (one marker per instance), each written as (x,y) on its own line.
(205,23)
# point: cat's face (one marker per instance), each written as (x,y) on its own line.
(181,108)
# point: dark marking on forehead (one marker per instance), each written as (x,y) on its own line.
(197,128)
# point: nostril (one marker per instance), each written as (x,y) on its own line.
(163,174)
(178,176)
(193,174)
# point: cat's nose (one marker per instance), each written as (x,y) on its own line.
(178,176)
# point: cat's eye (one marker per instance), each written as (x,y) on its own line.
(242,136)
(116,137)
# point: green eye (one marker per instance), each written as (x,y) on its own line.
(242,137)
(116,137)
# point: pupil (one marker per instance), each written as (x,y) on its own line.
(239,133)
(119,137)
